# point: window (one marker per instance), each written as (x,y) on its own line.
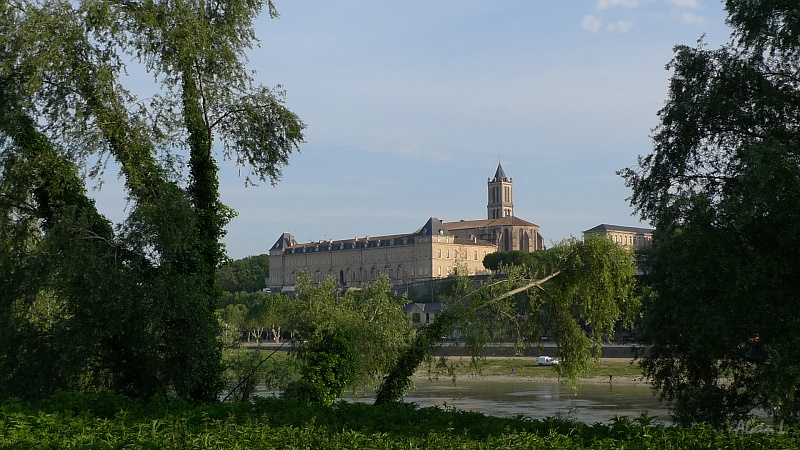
(415,318)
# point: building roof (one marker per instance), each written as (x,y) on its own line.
(500,174)
(433,227)
(424,307)
(489,223)
(285,241)
(604,227)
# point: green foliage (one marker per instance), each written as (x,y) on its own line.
(372,318)
(247,369)
(257,316)
(84,305)
(722,187)
(328,366)
(107,421)
(583,290)
(78,300)
(495,261)
(244,275)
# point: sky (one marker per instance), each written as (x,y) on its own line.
(411,105)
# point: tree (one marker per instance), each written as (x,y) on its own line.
(580,290)
(247,274)
(366,329)
(255,320)
(494,261)
(722,187)
(328,367)
(233,320)
(130,309)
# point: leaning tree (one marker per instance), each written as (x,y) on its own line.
(578,290)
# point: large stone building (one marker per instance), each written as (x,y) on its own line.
(428,253)
(432,252)
(628,237)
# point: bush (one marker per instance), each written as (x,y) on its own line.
(328,366)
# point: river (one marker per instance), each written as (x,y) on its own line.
(590,403)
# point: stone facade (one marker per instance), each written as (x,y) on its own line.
(628,237)
(433,252)
(501,227)
(429,253)
(501,195)
(507,233)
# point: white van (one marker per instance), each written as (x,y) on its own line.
(546,361)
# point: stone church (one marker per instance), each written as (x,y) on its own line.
(434,251)
(501,227)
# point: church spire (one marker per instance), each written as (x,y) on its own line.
(500,174)
(501,195)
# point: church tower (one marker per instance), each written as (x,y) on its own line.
(501,195)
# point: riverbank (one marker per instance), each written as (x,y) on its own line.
(521,368)
(503,368)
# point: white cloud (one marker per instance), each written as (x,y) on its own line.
(622,26)
(605,4)
(693,4)
(591,23)
(692,18)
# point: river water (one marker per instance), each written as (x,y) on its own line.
(590,403)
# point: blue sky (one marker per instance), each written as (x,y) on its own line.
(410,105)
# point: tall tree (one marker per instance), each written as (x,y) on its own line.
(722,187)
(61,74)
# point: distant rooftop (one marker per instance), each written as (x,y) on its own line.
(607,227)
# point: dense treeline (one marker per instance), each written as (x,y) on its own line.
(248,274)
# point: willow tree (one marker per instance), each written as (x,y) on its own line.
(360,333)
(578,290)
(131,308)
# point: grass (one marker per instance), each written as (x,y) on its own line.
(527,367)
(501,366)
